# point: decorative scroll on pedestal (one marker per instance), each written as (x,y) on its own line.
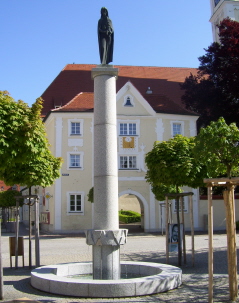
(106,237)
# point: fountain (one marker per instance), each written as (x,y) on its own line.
(106,237)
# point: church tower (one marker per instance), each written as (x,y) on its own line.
(221,9)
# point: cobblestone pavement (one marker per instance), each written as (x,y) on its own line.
(139,247)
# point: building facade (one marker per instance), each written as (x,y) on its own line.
(149,109)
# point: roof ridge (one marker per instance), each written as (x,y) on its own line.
(68,103)
(135,66)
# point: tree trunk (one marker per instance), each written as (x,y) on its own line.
(228,196)
(179,231)
(1,267)
(30,229)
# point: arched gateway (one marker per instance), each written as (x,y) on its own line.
(143,204)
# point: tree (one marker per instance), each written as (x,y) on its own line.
(215,88)
(24,146)
(7,198)
(91,195)
(217,146)
(171,165)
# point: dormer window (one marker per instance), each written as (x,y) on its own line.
(128,101)
(149,91)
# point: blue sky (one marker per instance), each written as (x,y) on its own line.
(39,37)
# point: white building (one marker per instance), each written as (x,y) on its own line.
(220,10)
(149,109)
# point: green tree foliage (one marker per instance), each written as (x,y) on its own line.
(24,146)
(217,146)
(7,198)
(91,195)
(216,86)
(160,190)
(171,165)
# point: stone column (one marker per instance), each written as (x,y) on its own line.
(105,149)
(105,237)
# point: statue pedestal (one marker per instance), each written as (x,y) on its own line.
(105,237)
(106,252)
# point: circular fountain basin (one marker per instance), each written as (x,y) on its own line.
(153,278)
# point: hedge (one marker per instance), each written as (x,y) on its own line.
(128,216)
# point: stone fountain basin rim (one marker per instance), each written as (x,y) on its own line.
(53,279)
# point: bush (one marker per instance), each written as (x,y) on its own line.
(128,216)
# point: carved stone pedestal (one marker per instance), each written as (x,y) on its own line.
(106,252)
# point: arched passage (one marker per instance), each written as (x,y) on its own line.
(143,205)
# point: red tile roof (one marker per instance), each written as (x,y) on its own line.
(4,187)
(76,78)
(83,102)
(162,104)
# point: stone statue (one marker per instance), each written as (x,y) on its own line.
(105,37)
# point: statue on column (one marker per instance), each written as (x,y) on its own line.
(105,37)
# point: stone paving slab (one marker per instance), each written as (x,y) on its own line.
(143,247)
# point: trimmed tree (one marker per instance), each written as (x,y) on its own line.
(7,199)
(24,146)
(171,165)
(217,146)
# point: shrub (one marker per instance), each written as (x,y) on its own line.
(128,216)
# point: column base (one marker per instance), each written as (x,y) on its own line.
(106,252)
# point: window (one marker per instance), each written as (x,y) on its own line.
(75,202)
(128,162)
(128,129)
(128,101)
(75,128)
(74,160)
(177,128)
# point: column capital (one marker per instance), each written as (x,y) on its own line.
(104,69)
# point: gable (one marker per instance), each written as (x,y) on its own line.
(130,102)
